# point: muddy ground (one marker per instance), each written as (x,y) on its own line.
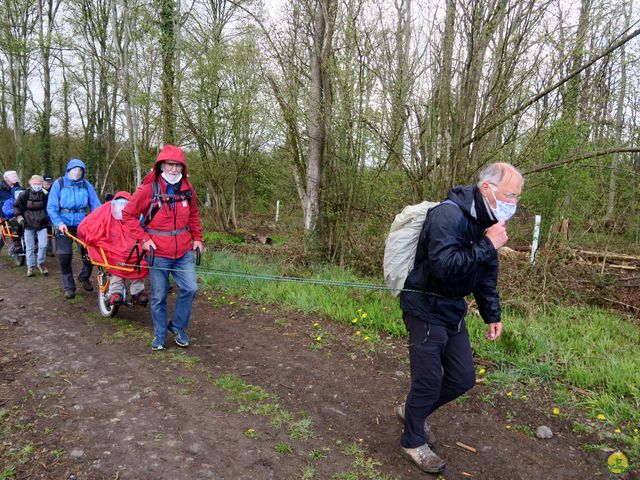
(83,397)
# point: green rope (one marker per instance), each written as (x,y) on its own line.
(284,278)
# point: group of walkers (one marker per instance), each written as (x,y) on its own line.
(25,211)
(456,256)
(161,217)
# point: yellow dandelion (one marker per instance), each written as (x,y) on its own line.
(509,394)
(364,315)
(358,332)
(507,426)
(601,417)
(318,338)
(359,310)
(232,303)
(617,430)
(556,411)
(366,338)
(355,320)
(524,397)
(263,309)
(316,324)
(482,371)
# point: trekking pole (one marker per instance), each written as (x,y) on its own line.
(152,256)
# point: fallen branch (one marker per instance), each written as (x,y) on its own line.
(609,256)
(626,305)
(466,447)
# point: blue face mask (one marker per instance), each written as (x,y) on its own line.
(504,210)
(36,188)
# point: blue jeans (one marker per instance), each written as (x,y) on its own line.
(184,275)
(441,365)
(30,245)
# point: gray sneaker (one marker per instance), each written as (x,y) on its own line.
(425,459)
(431,438)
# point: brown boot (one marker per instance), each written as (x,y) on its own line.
(425,459)
(429,435)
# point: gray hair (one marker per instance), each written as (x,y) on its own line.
(496,172)
(36,178)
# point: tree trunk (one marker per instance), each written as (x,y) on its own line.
(47,19)
(618,158)
(317,126)
(167,14)
(570,103)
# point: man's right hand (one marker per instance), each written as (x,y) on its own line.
(63,229)
(497,234)
(148,245)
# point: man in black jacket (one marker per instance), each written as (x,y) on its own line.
(456,256)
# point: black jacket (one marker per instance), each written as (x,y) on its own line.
(5,192)
(453,260)
(32,206)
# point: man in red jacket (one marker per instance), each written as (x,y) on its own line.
(171,226)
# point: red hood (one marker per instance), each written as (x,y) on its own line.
(123,194)
(168,153)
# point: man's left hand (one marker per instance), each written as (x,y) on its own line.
(494,330)
(198,245)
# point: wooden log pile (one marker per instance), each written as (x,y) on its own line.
(619,261)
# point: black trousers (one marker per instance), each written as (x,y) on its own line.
(64,252)
(442,369)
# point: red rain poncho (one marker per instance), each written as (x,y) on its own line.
(101,229)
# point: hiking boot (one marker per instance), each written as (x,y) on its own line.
(182,339)
(30,272)
(43,270)
(140,299)
(86,284)
(115,299)
(69,294)
(431,438)
(425,458)
(157,344)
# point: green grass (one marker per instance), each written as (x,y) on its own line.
(580,349)
(221,237)
(338,303)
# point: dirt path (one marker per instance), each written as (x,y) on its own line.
(84,397)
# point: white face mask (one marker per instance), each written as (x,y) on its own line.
(36,188)
(171,179)
(504,210)
(75,173)
(117,206)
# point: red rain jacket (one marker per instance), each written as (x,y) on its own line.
(100,229)
(180,221)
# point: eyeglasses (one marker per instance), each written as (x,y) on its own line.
(510,196)
(173,165)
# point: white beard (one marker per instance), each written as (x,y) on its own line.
(172,179)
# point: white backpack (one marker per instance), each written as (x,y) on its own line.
(402,243)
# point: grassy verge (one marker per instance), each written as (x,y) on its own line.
(590,355)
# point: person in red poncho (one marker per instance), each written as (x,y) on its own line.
(103,228)
(167,201)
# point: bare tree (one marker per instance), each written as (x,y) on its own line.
(15,41)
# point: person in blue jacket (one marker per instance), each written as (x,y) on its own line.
(9,181)
(15,245)
(70,199)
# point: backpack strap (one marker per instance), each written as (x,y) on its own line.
(158,198)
